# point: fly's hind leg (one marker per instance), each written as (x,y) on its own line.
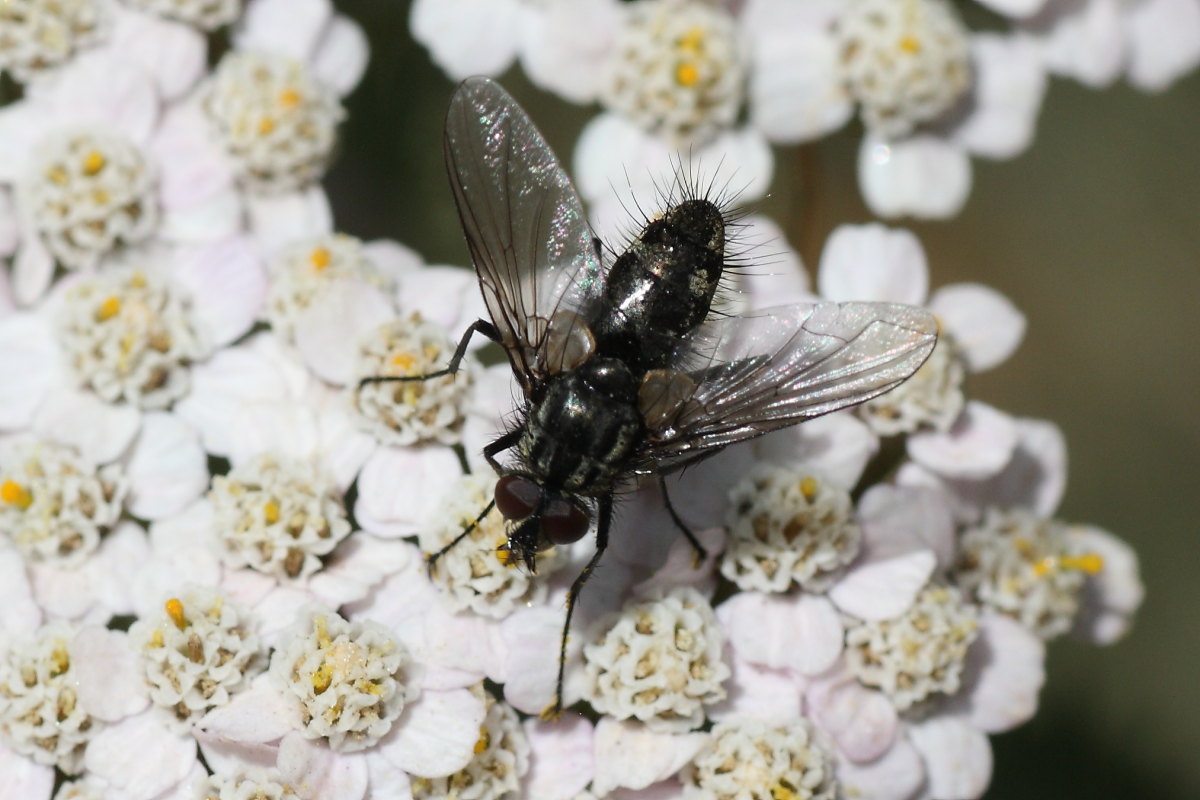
(698,551)
(604,520)
(479,325)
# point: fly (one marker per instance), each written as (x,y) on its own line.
(623,369)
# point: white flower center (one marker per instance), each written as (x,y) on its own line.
(300,271)
(90,192)
(54,505)
(906,62)
(409,412)
(40,714)
(476,574)
(196,653)
(348,678)
(278,516)
(85,788)
(1025,567)
(933,396)
(206,14)
(247,783)
(787,526)
(747,758)
(37,35)
(918,653)
(659,660)
(275,119)
(501,759)
(677,70)
(129,336)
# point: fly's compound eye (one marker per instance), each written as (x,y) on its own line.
(563,522)
(517,497)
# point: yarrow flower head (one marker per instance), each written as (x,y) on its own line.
(248,784)
(278,515)
(349,681)
(933,397)
(54,504)
(38,35)
(501,760)
(749,758)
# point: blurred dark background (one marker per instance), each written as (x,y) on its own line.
(1095,234)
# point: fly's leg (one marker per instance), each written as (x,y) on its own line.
(698,551)
(604,519)
(431,560)
(493,449)
(479,325)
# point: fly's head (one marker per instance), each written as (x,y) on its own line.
(539,518)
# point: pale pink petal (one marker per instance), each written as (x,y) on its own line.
(665,790)
(882,588)
(209,219)
(958,758)
(564,46)
(99,86)
(606,145)
(277,610)
(1004,673)
(1111,596)
(330,330)
(758,691)
(24,779)
(909,517)
(837,446)
(22,125)
(985,325)
(979,444)
(108,674)
(66,593)
(701,494)
(562,760)
(141,756)
(192,166)
(392,258)
(316,771)
(801,632)
(33,270)
(447,296)
(107,571)
(167,467)
(1014,8)
(227,284)
(862,721)
(1165,39)
(630,755)
(225,756)
(400,489)
(280,219)
(386,779)
(356,565)
(257,715)
(467,37)
(31,364)
(896,775)
(795,93)
(341,55)
(19,613)
(923,176)
(680,568)
(873,262)
(101,432)
(170,52)
(341,447)
(1084,41)
(436,735)
(532,667)
(286,27)
(1010,82)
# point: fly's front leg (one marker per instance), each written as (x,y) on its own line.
(604,520)
(479,325)
(493,449)
(698,551)
(431,560)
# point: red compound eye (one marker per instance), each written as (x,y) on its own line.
(517,497)
(564,522)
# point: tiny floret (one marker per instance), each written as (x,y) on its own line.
(278,515)
(932,397)
(748,759)
(349,680)
(501,759)
(786,526)
(38,35)
(659,660)
(247,783)
(918,654)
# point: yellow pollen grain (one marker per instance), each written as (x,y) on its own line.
(693,41)
(108,309)
(507,557)
(322,678)
(290,98)
(61,659)
(1087,563)
(138,280)
(781,792)
(100,197)
(687,74)
(174,610)
(320,258)
(483,741)
(266,125)
(910,44)
(57,175)
(271,512)
(404,361)
(15,494)
(93,162)
(808,487)
(1045,567)
(156,639)
(323,640)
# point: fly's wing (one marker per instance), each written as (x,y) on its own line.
(529,240)
(752,375)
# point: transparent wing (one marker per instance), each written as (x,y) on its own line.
(529,240)
(781,366)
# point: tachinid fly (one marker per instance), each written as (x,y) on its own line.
(624,370)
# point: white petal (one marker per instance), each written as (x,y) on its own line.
(800,632)
(19,613)
(1112,596)
(447,296)
(100,431)
(313,770)
(31,364)
(565,46)
(467,37)
(562,760)
(977,446)
(33,270)
(341,55)
(630,755)
(256,715)
(279,219)
(883,588)
(400,489)
(436,735)
(227,284)
(894,776)
(192,166)
(108,570)
(909,518)
(1085,41)
(862,721)
(532,667)
(923,176)
(171,52)
(330,329)
(386,779)
(108,674)
(780,281)
(795,92)
(167,468)
(23,777)
(286,27)
(873,263)
(1014,8)
(1165,38)
(98,86)
(768,694)
(1010,82)
(141,756)
(359,563)
(1004,673)
(207,219)
(986,326)
(958,758)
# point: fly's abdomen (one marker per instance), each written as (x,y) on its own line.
(663,285)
